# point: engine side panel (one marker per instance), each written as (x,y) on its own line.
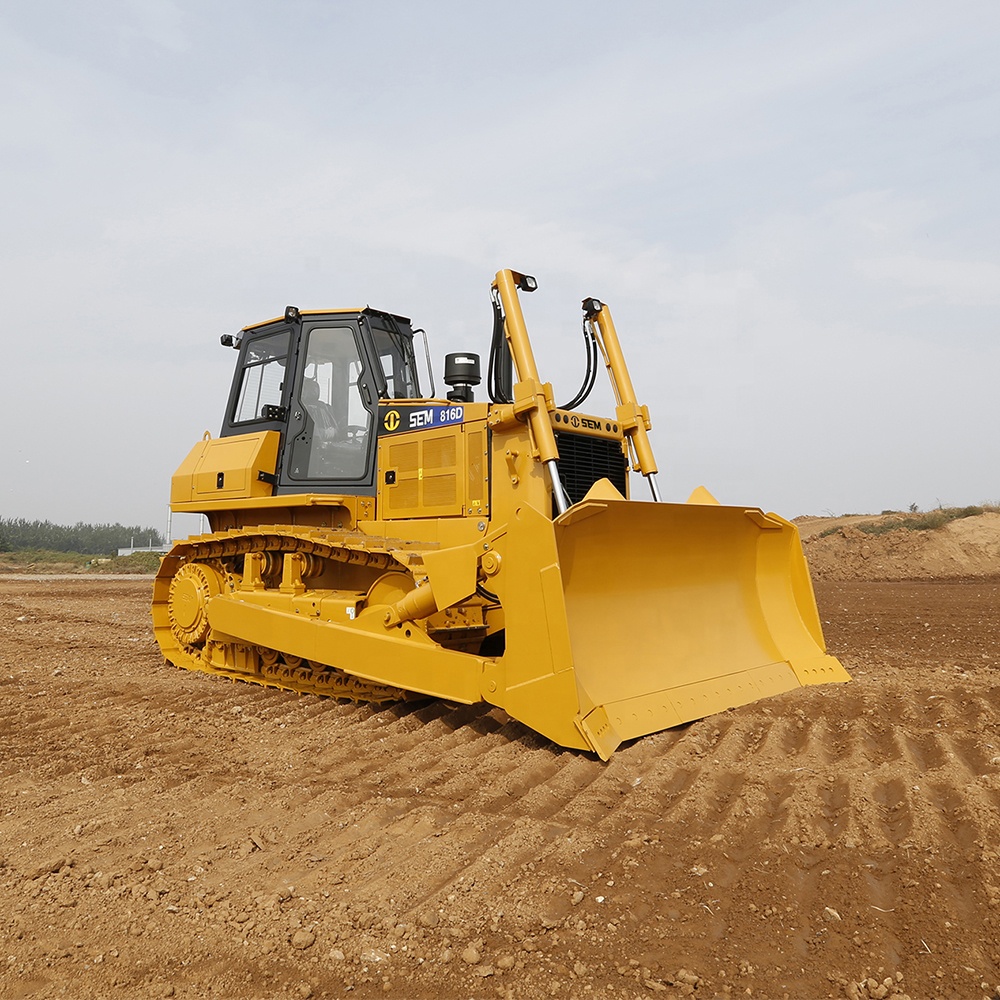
(432,461)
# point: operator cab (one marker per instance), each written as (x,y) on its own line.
(317,377)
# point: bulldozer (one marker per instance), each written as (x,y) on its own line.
(373,540)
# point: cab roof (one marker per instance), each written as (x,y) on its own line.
(367,310)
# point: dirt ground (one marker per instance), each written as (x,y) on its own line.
(166,834)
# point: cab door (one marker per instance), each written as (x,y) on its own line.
(331,438)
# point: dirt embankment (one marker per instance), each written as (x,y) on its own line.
(842,548)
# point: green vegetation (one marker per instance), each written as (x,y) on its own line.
(20,535)
(44,561)
(916,521)
(44,547)
(138,563)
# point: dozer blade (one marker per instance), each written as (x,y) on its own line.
(674,612)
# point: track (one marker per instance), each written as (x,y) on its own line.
(165,833)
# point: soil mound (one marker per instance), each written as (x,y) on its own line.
(890,547)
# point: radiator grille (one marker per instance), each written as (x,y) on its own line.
(583,460)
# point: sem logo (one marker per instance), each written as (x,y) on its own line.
(391,421)
(574,420)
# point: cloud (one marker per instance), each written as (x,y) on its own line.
(789,209)
(922,281)
(158,21)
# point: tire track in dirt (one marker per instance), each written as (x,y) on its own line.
(493,815)
(893,814)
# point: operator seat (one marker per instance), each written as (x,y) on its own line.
(326,426)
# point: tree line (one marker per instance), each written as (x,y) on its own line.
(18,534)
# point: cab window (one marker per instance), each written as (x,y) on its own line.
(262,381)
(395,354)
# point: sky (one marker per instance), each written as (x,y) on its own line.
(789,207)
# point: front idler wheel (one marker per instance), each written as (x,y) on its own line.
(191,589)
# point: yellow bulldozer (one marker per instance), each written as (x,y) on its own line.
(373,540)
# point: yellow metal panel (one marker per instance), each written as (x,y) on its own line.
(404,456)
(440,451)
(583,423)
(427,473)
(441,492)
(327,510)
(404,656)
(227,468)
(477,495)
(180,484)
(401,499)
